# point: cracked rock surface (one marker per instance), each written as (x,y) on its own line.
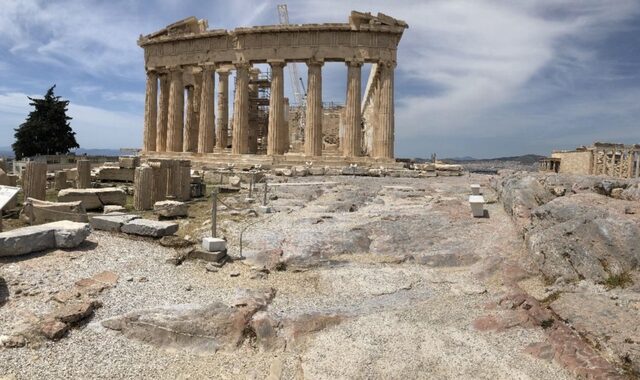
(359,278)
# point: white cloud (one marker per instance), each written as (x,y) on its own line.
(478,62)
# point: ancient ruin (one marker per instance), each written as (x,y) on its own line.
(615,160)
(186,55)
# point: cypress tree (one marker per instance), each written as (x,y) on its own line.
(46,129)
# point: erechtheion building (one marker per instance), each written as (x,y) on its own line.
(182,117)
(614,160)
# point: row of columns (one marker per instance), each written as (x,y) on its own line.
(166,128)
(617,163)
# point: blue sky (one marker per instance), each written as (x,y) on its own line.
(484,78)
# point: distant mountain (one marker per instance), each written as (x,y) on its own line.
(527,159)
(6,151)
(98,152)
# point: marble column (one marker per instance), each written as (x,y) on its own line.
(352,144)
(151,111)
(207,138)
(176,112)
(277,132)
(190,136)
(313,123)
(241,110)
(637,164)
(163,114)
(383,134)
(197,99)
(223,109)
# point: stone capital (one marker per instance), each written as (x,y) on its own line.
(175,68)
(387,64)
(356,62)
(315,62)
(276,62)
(209,66)
(223,72)
(242,65)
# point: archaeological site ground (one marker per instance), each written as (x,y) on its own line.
(288,241)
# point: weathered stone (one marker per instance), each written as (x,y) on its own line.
(197,328)
(60,180)
(74,313)
(38,212)
(106,174)
(94,198)
(235,181)
(146,227)
(113,208)
(34,180)
(84,174)
(144,188)
(53,329)
(63,234)
(111,223)
(209,256)
(129,162)
(583,236)
(171,209)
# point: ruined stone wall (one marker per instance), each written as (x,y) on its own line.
(578,162)
(330,127)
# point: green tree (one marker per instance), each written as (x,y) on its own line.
(46,130)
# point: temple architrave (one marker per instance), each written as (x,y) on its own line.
(184,60)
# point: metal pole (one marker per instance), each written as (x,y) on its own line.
(264,198)
(214,211)
(253,179)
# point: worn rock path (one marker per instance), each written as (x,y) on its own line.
(373,278)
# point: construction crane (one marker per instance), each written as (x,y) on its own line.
(297,85)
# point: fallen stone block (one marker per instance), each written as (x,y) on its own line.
(146,227)
(37,212)
(116,174)
(128,162)
(94,198)
(62,234)
(111,223)
(214,256)
(111,209)
(170,209)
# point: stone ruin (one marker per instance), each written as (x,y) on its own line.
(187,55)
(610,159)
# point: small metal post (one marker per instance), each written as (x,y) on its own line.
(251,184)
(214,211)
(264,198)
(0,220)
(221,178)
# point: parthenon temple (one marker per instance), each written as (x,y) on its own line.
(183,118)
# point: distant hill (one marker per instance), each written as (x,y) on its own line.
(527,159)
(6,151)
(98,152)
